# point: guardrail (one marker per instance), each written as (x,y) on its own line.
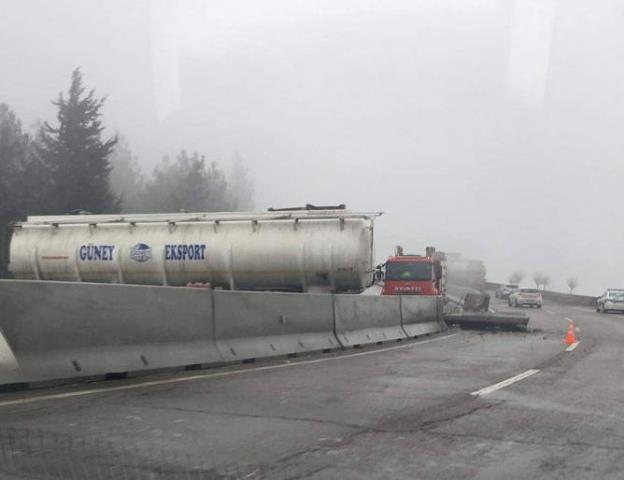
(558,297)
(60,330)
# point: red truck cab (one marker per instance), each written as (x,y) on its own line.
(414,274)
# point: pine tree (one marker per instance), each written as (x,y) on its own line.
(13,153)
(188,184)
(76,155)
(240,185)
(126,178)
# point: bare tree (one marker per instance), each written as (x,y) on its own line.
(541,280)
(516,277)
(537,278)
(572,283)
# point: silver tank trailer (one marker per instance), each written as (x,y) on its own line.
(300,250)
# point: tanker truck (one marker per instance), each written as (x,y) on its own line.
(305,249)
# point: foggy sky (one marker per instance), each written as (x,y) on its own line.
(489,127)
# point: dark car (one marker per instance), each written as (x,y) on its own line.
(505,290)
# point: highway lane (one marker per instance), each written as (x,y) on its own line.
(564,422)
(402,412)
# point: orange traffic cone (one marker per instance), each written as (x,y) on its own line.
(571,335)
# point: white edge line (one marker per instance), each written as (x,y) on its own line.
(504,383)
(572,347)
(58,396)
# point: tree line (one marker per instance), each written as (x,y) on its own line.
(71,166)
(541,281)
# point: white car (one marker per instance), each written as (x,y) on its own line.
(525,296)
(611,300)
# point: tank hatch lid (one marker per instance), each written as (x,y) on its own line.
(309,206)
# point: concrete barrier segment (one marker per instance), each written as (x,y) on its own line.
(252,325)
(366,319)
(422,315)
(61,330)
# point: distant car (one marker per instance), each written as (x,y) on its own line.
(525,296)
(611,300)
(505,290)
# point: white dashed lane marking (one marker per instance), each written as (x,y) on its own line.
(504,383)
(572,347)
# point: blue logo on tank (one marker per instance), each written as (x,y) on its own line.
(141,252)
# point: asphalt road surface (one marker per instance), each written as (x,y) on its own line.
(408,410)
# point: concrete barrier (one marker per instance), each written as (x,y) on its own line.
(421,315)
(569,299)
(364,319)
(265,324)
(61,330)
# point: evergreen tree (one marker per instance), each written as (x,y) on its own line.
(23,178)
(126,179)
(216,194)
(14,146)
(240,185)
(76,155)
(186,185)
(13,151)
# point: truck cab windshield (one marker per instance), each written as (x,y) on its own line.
(408,271)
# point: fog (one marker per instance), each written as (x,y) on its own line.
(492,127)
